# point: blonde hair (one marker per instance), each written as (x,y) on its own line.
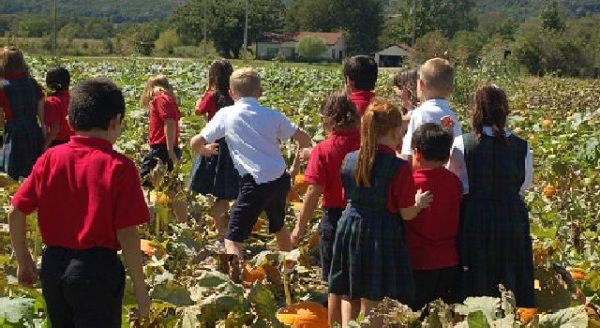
(12,60)
(245,82)
(438,76)
(380,118)
(156,84)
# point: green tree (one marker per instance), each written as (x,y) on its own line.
(466,46)
(311,47)
(167,41)
(361,21)
(311,15)
(551,18)
(497,23)
(432,44)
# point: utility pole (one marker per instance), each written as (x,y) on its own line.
(414,22)
(245,46)
(205,41)
(54,31)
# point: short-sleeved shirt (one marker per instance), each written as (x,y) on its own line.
(4,101)
(84,192)
(325,164)
(431,111)
(402,189)
(163,107)
(55,112)
(361,100)
(208,105)
(432,235)
(252,133)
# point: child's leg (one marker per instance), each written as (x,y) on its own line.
(350,310)
(366,307)
(235,248)
(219,214)
(53,268)
(334,309)
(275,210)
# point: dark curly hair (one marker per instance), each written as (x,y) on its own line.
(489,108)
(94,103)
(339,112)
(218,79)
(58,79)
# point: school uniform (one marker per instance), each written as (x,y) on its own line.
(432,238)
(370,254)
(56,110)
(23,140)
(163,107)
(361,100)
(430,111)
(252,133)
(215,175)
(323,169)
(84,191)
(494,239)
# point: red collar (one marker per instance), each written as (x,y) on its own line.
(91,142)
(345,132)
(366,95)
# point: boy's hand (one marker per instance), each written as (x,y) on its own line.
(173,157)
(143,301)
(304,154)
(296,235)
(210,150)
(423,199)
(27,272)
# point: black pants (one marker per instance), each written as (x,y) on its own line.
(327,229)
(83,288)
(433,284)
(157,152)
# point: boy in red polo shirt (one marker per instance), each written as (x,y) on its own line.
(58,81)
(432,235)
(89,202)
(360,76)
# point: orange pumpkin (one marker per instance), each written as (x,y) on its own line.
(251,275)
(526,314)
(549,191)
(547,124)
(299,184)
(577,274)
(303,315)
(151,248)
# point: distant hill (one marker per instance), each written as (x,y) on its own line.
(117,11)
(525,8)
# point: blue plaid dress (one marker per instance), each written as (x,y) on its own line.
(23,139)
(494,239)
(370,255)
(216,175)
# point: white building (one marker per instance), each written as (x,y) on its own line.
(269,45)
(393,56)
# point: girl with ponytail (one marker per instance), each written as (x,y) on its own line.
(495,167)
(370,255)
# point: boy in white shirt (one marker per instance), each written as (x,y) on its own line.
(252,133)
(436,82)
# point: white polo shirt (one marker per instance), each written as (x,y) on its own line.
(252,133)
(430,111)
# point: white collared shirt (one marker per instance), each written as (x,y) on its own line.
(252,133)
(457,163)
(430,111)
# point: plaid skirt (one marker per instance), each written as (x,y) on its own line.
(215,175)
(22,145)
(495,247)
(370,257)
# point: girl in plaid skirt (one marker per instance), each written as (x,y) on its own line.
(370,255)
(495,167)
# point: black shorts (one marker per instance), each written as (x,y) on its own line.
(433,284)
(83,288)
(252,200)
(157,152)
(327,229)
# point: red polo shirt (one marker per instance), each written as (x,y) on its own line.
(402,190)
(432,234)
(325,164)
(84,192)
(163,107)
(361,100)
(55,111)
(208,105)
(5,104)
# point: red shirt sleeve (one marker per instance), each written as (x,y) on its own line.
(208,105)
(130,207)
(166,107)
(27,197)
(402,193)
(51,111)
(315,169)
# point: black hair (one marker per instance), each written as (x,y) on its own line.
(362,70)
(339,111)
(219,73)
(433,141)
(58,79)
(94,103)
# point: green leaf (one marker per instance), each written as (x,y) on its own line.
(263,301)
(16,312)
(486,305)
(569,317)
(212,279)
(173,293)
(477,320)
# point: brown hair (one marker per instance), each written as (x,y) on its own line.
(438,75)
(489,108)
(380,118)
(338,111)
(12,61)
(245,82)
(408,79)
(155,82)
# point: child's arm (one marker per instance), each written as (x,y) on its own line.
(304,142)
(40,114)
(311,200)
(422,200)
(54,128)
(26,270)
(170,131)
(199,145)
(130,244)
